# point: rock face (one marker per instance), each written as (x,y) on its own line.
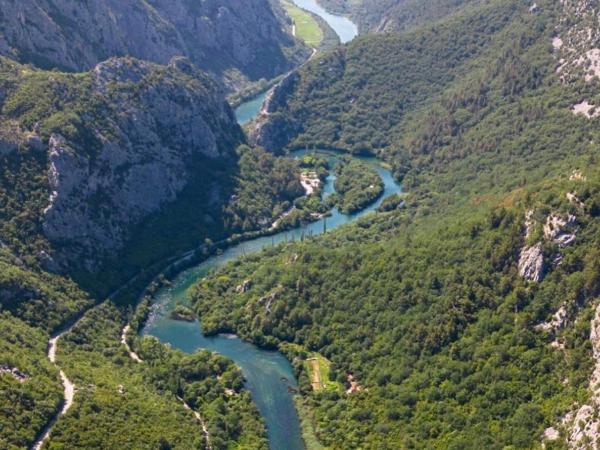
(558,320)
(156,121)
(556,227)
(233,39)
(582,424)
(576,45)
(560,230)
(273,131)
(531,263)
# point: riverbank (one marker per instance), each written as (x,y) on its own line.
(343,26)
(244,101)
(269,375)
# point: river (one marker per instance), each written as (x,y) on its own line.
(344,28)
(269,376)
(248,110)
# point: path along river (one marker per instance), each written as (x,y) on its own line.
(269,376)
(345,29)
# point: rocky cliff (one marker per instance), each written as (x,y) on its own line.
(118,142)
(236,40)
(271,130)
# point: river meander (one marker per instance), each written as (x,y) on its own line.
(269,376)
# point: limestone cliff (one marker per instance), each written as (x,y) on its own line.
(236,40)
(119,142)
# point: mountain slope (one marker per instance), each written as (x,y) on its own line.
(394,15)
(236,41)
(120,143)
(463,319)
(356,97)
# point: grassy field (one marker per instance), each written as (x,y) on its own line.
(317,367)
(307,27)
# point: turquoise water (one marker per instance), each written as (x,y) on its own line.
(248,110)
(269,376)
(344,27)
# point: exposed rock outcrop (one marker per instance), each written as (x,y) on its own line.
(14,372)
(560,230)
(244,287)
(274,131)
(268,300)
(233,39)
(583,423)
(558,320)
(155,121)
(577,46)
(531,263)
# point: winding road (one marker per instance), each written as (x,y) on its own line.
(135,357)
(68,386)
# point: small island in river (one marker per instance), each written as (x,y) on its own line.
(183,313)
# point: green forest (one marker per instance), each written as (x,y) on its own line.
(424,305)
(356,185)
(420,315)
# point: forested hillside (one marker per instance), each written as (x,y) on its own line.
(463,319)
(462,315)
(107,160)
(393,15)
(331,103)
(104,176)
(67,141)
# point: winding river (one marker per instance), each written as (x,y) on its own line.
(269,376)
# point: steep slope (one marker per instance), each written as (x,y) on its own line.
(357,97)
(95,166)
(129,152)
(120,143)
(106,174)
(235,40)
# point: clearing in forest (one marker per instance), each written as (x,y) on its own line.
(317,367)
(306,27)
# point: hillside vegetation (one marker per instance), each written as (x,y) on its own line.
(429,314)
(358,97)
(458,317)
(95,166)
(393,15)
(356,185)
